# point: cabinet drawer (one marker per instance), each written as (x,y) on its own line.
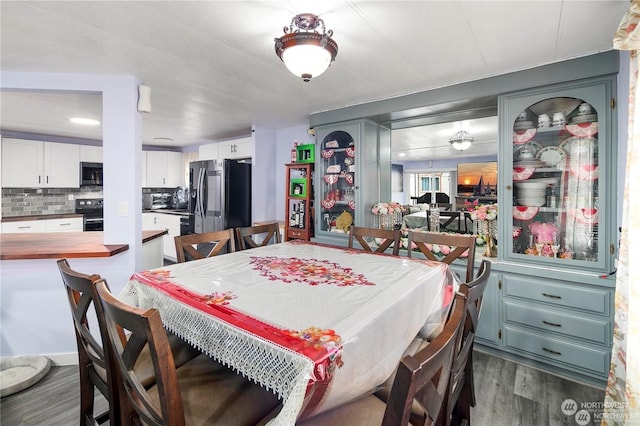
(583,357)
(24,226)
(549,320)
(64,225)
(558,293)
(296,233)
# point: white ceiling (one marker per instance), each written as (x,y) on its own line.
(213,71)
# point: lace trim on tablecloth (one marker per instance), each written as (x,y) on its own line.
(287,372)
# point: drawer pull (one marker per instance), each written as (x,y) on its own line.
(552,296)
(24,227)
(551,323)
(551,352)
(66,224)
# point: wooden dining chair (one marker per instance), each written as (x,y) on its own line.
(388,239)
(246,235)
(95,369)
(199,392)
(462,244)
(200,246)
(461,384)
(95,360)
(421,383)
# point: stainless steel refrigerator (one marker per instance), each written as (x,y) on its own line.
(220,194)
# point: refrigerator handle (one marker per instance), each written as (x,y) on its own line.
(202,192)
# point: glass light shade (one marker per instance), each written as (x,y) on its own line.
(306,60)
(461,145)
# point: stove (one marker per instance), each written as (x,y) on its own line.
(92,209)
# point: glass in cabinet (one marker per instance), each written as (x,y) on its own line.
(559,189)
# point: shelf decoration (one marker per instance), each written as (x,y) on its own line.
(485,227)
(305,153)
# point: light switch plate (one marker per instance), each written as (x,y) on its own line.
(123,209)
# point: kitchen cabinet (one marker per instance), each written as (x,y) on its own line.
(232,149)
(73,224)
(235,149)
(557,226)
(353,172)
(170,222)
(299,201)
(91,153)
(164,169)
(37,164)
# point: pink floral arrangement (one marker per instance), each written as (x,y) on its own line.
(437,249)
(387,208)
(481,211)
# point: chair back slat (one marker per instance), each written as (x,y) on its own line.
(190,247)
(462,244)
(389,238)
(245,235)
(424,377)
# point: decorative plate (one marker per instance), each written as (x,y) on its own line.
(583,130)
(351,152)
(552,156)
(331,179)
(332,144)
(349,178)
(523,136)
(578,146)
(327,204)
(352,204)
(532,145)
(524,213)
(583,171)
(326,153)
(586,216)
(522,173)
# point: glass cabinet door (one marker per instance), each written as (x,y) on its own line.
(559,168)
(337,181)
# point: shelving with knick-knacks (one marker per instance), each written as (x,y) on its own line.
(299,223)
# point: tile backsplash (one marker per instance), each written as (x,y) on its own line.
(38,201)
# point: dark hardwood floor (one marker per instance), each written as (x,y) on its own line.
(507,394)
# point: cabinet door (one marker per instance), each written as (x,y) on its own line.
(24,226)
(22,163)
(172,224)
(175,170)
(489,320)
(156,169)
(237,148)
(208,152)
(149,222)
(91,154)
(558,196)
(61,165)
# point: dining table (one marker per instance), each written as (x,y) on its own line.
(318,325)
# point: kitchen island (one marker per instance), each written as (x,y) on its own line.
(34,310)
(43,245)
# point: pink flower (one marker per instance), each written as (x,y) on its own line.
(445,250)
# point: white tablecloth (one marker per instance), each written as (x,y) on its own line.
(299,318)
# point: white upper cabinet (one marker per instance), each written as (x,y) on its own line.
(237,148)
(36,164)
(91,154)
(164,169)
(232,149)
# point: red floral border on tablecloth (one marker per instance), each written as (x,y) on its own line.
(308,271)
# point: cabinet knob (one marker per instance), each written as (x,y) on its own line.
(509,188)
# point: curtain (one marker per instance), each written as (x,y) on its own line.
(622,398)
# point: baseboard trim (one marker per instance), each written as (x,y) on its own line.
(63,359)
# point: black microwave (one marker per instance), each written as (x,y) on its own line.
(90,174)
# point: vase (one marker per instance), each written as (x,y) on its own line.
(389,221)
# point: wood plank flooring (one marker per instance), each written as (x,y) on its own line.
(507,394)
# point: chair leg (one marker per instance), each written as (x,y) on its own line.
(462,409)
(469,378)
(86,395)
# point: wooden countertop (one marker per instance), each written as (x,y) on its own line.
(40,217)
(56,245)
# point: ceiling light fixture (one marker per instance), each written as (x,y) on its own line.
(306,52)
(461,140)
(84,121)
